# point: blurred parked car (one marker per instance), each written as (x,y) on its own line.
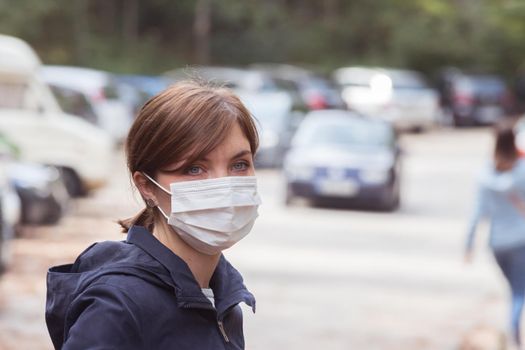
(314,91)
(146,86)
(75,103)
(5,237)
(338,157)
(101,91)
(276,121)
(10,216)
(42,193)
(233,78)
(401,97)
(472,99)
(31,118)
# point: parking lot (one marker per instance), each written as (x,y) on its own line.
(323,278)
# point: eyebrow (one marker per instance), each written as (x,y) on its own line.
(242,153)
(184,163)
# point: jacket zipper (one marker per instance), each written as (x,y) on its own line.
(223,332)
(219,322)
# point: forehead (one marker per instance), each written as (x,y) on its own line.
(234,141)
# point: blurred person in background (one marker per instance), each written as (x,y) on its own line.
(501,200)
(168,286)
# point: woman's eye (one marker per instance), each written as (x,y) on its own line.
(194,170)
(240,166)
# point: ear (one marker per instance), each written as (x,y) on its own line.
(145,188)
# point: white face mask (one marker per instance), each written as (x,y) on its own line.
(212,215)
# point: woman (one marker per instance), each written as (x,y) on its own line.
(190,154)
(501,199)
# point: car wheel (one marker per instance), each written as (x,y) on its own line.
(460,121)
(391,200)
(74,186)
(54,214)
(418,129)
(457,121)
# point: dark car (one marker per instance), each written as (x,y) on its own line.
(43,195)
(10,207)
(473,99)
(40,191)
(338,157)
(9,211)
(314,91)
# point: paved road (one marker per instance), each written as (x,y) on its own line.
(323,279)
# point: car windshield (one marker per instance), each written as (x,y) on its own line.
(407,80)
(74,103)
(484,84)
(270,110)
(344,133)
(319,83)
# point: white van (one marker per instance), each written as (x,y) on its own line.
(31,118)
(401,97)
(99,89)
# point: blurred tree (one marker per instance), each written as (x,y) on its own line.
(81,31)
(201,30)
(156,35)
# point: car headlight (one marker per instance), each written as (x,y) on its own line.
(374,176)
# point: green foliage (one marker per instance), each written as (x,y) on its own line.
(158,35)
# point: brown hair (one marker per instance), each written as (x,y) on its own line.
(505,150)
(183,123)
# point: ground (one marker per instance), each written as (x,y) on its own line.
(323,278)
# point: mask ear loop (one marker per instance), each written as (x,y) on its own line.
(150,202)
(156,183)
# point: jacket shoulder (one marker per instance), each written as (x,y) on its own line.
(112,317)
(109,252)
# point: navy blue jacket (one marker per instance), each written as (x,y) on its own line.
(137,294)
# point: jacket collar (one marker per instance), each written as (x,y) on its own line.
(226,282)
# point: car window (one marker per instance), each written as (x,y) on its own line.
(487,85)
(344,134)
(74,103)
(287,85)
(320,83)
(405,80)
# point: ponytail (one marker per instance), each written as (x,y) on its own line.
(146,218)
